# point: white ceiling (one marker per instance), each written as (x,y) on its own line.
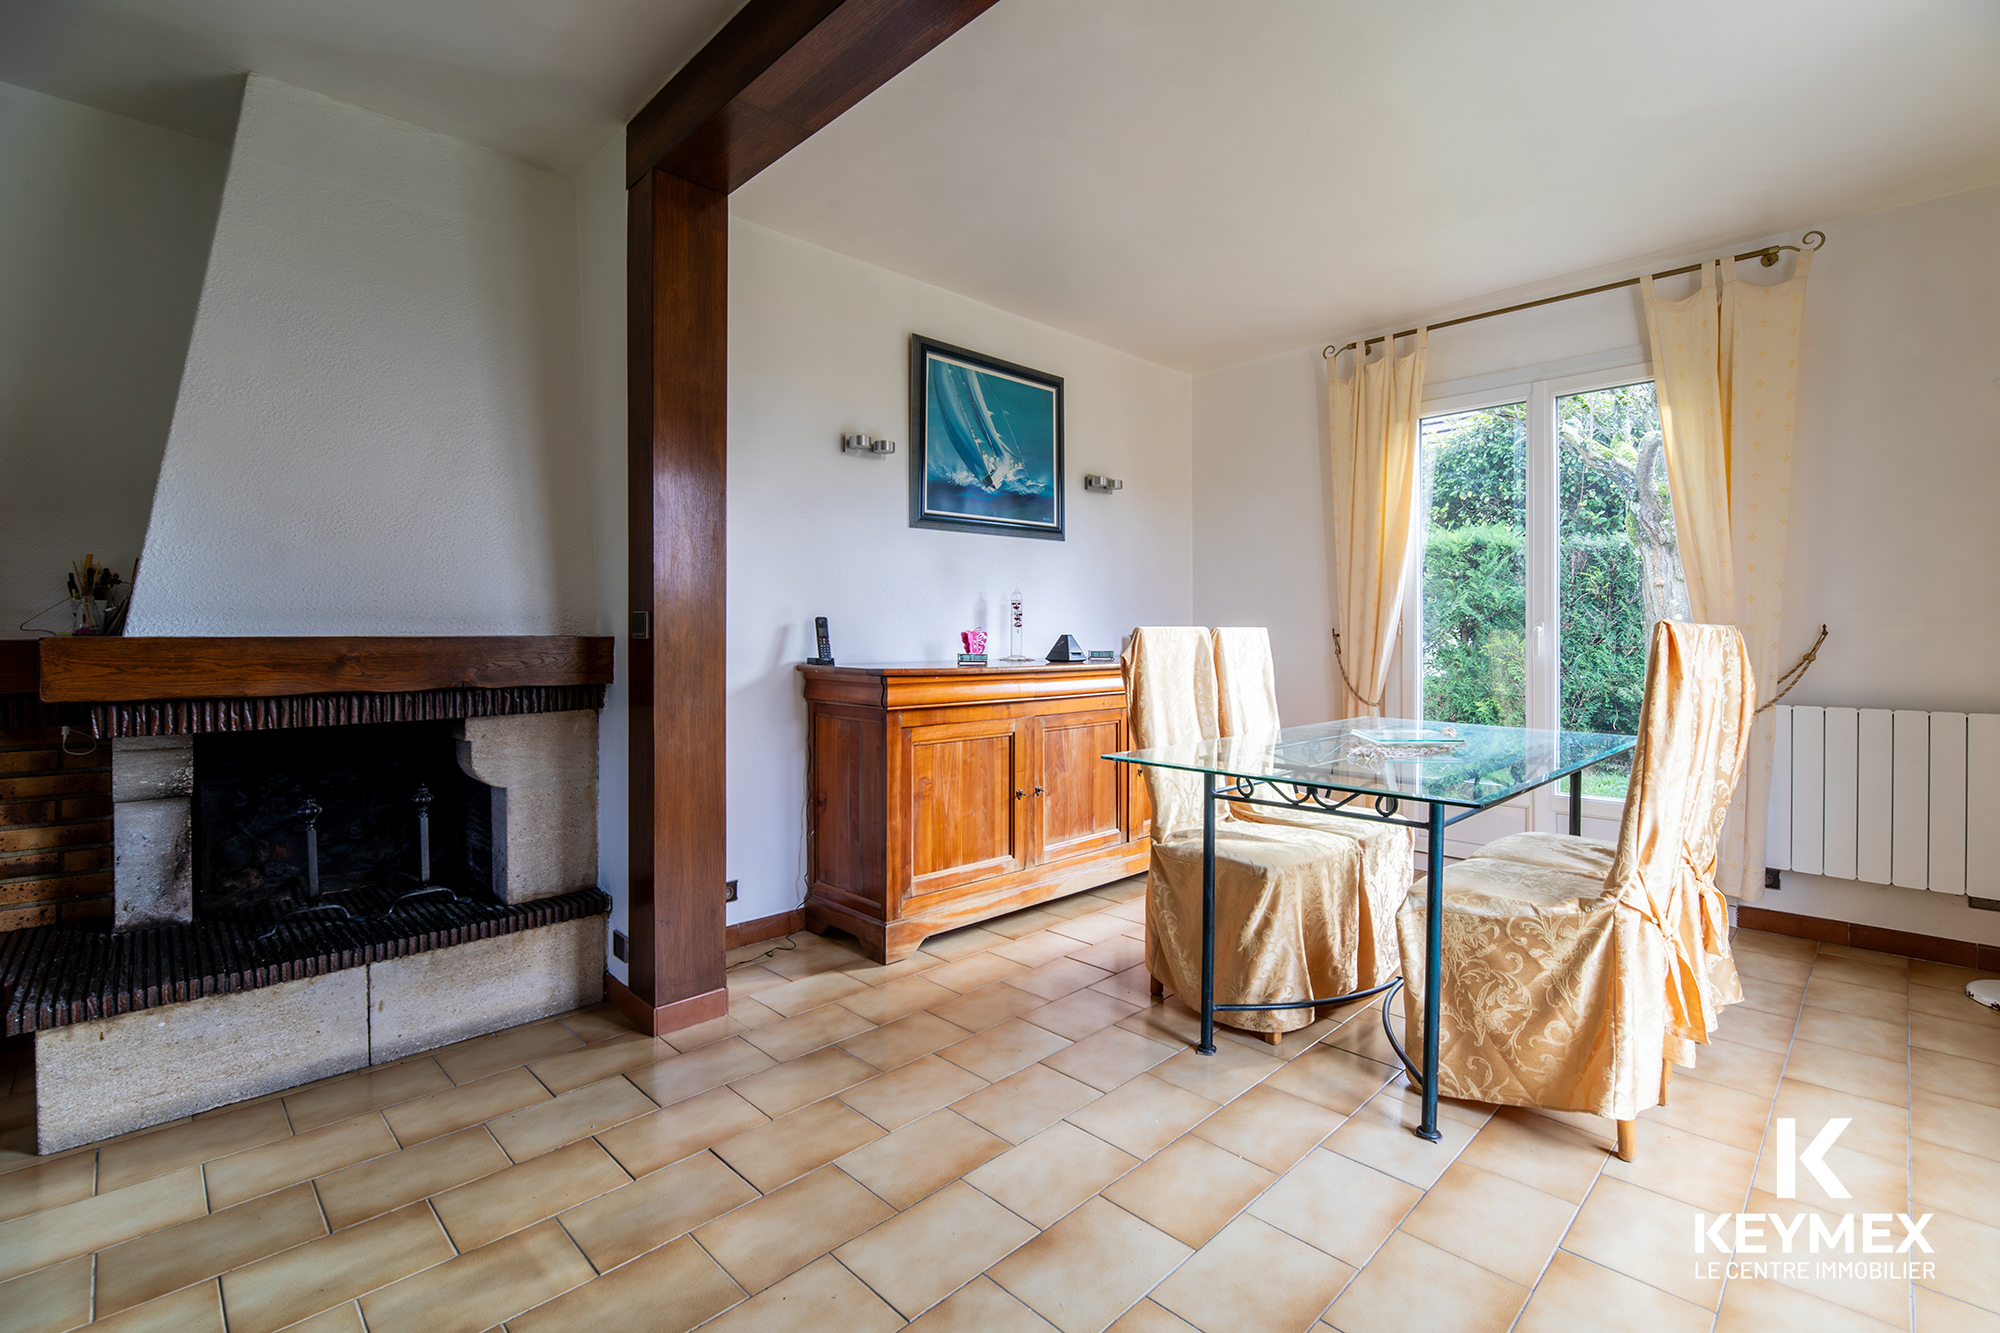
(1202,182)
(1198,182)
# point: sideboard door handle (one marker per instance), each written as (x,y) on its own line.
(1038,791)
(1018,793)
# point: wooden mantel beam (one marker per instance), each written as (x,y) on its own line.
(777,73)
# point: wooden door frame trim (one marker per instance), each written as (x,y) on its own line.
(777,73)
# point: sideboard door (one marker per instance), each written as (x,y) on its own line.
(963,821)
(1082,805)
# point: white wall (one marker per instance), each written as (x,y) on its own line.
(379,429)
(1893,541)
(818,346)
(104,232)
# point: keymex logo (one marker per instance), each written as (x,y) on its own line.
(1745,1233)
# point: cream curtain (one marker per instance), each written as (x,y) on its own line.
(1727,361)
(1372,424)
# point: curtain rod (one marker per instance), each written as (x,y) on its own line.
(1768,255)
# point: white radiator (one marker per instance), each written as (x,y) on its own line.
(1888,796)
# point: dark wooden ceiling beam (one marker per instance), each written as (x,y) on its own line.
(778,73)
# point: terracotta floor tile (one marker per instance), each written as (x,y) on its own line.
(1577,1294)
(1080,1013)
(1750,1027)
(47,1300)
(1943,975)
(1772,998)
(196,1309)
(1711,1110)
(1116,954)
(1863,972)
(1366,1039)
(99,1222)
(1500,1224)
(1875,1128)
(744,1017)
(1173,1023)
(1336,1079)
(1024,922)
(507,1201)
(981,1306)
(1972,1041)
(1642,1235)
(1537,1151)
(38,1188)
(632,1219)
(1134,985)
(1852,1032)
(1271,1128)
(896,1044)
(793,1145)
(978,1010)
(675,1132)
(1005,1048)
(785,1088)
(1955,1076)
(447,1112)
(163,1261)
(1089,1268)
(898,999)
(1382,1134)
(815,956)
(1143,1116)
(810,992)
(1953,1003)
(597,1023)
(383,1184)
(1148,1316)
(1050,1175)
(369,1090)
(245,1175)
(1886,1300)
(1414,1285)
(1771,967)
(1951,1121)
(1253,1278)
(820,1298)
(1337,1205)
(912,1091)
(1058,977)
(1847,1070)
(696,1072)
(748,981)
(669,1290)
(1958,1182)
(288,1287)
(1022,1105)
(1221,1077)
(593,1064)
(1941,1314)
(1191,1190)
(922,1157)
(1109,1059)
(789,1038)
(1032,951)
(1844,997)
(1091,927)
(1895,961)
(143,1156)
(919,1257)
(468,1060)
(969,974)
(1763,941)
(1874,1183)
(1968,1259)
(481,1288)
(1749,1069)
(591,1109)
(1704,1173)
(1755,1307)
(764,1240)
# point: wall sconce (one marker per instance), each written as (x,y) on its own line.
(1093,482)
(862,444)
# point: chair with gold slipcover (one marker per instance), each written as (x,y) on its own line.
(1286,925)
(1572,990)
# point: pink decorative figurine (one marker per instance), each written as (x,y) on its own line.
(974,641)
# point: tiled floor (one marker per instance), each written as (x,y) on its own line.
(1005,1133)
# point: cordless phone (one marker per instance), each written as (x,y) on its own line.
(825,644)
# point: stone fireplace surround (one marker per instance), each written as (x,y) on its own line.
(115,1051)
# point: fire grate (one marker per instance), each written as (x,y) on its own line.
(74,972)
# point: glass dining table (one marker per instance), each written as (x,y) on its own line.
(1370,769)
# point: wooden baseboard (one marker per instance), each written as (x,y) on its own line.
(659,1021)
(1931,948)
(764,928)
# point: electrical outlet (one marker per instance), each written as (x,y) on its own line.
(729,891)
(618,945)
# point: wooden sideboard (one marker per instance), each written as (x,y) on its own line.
(945,795)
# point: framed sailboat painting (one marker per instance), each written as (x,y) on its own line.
(986,449)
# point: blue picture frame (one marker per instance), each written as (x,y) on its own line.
(986,444)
